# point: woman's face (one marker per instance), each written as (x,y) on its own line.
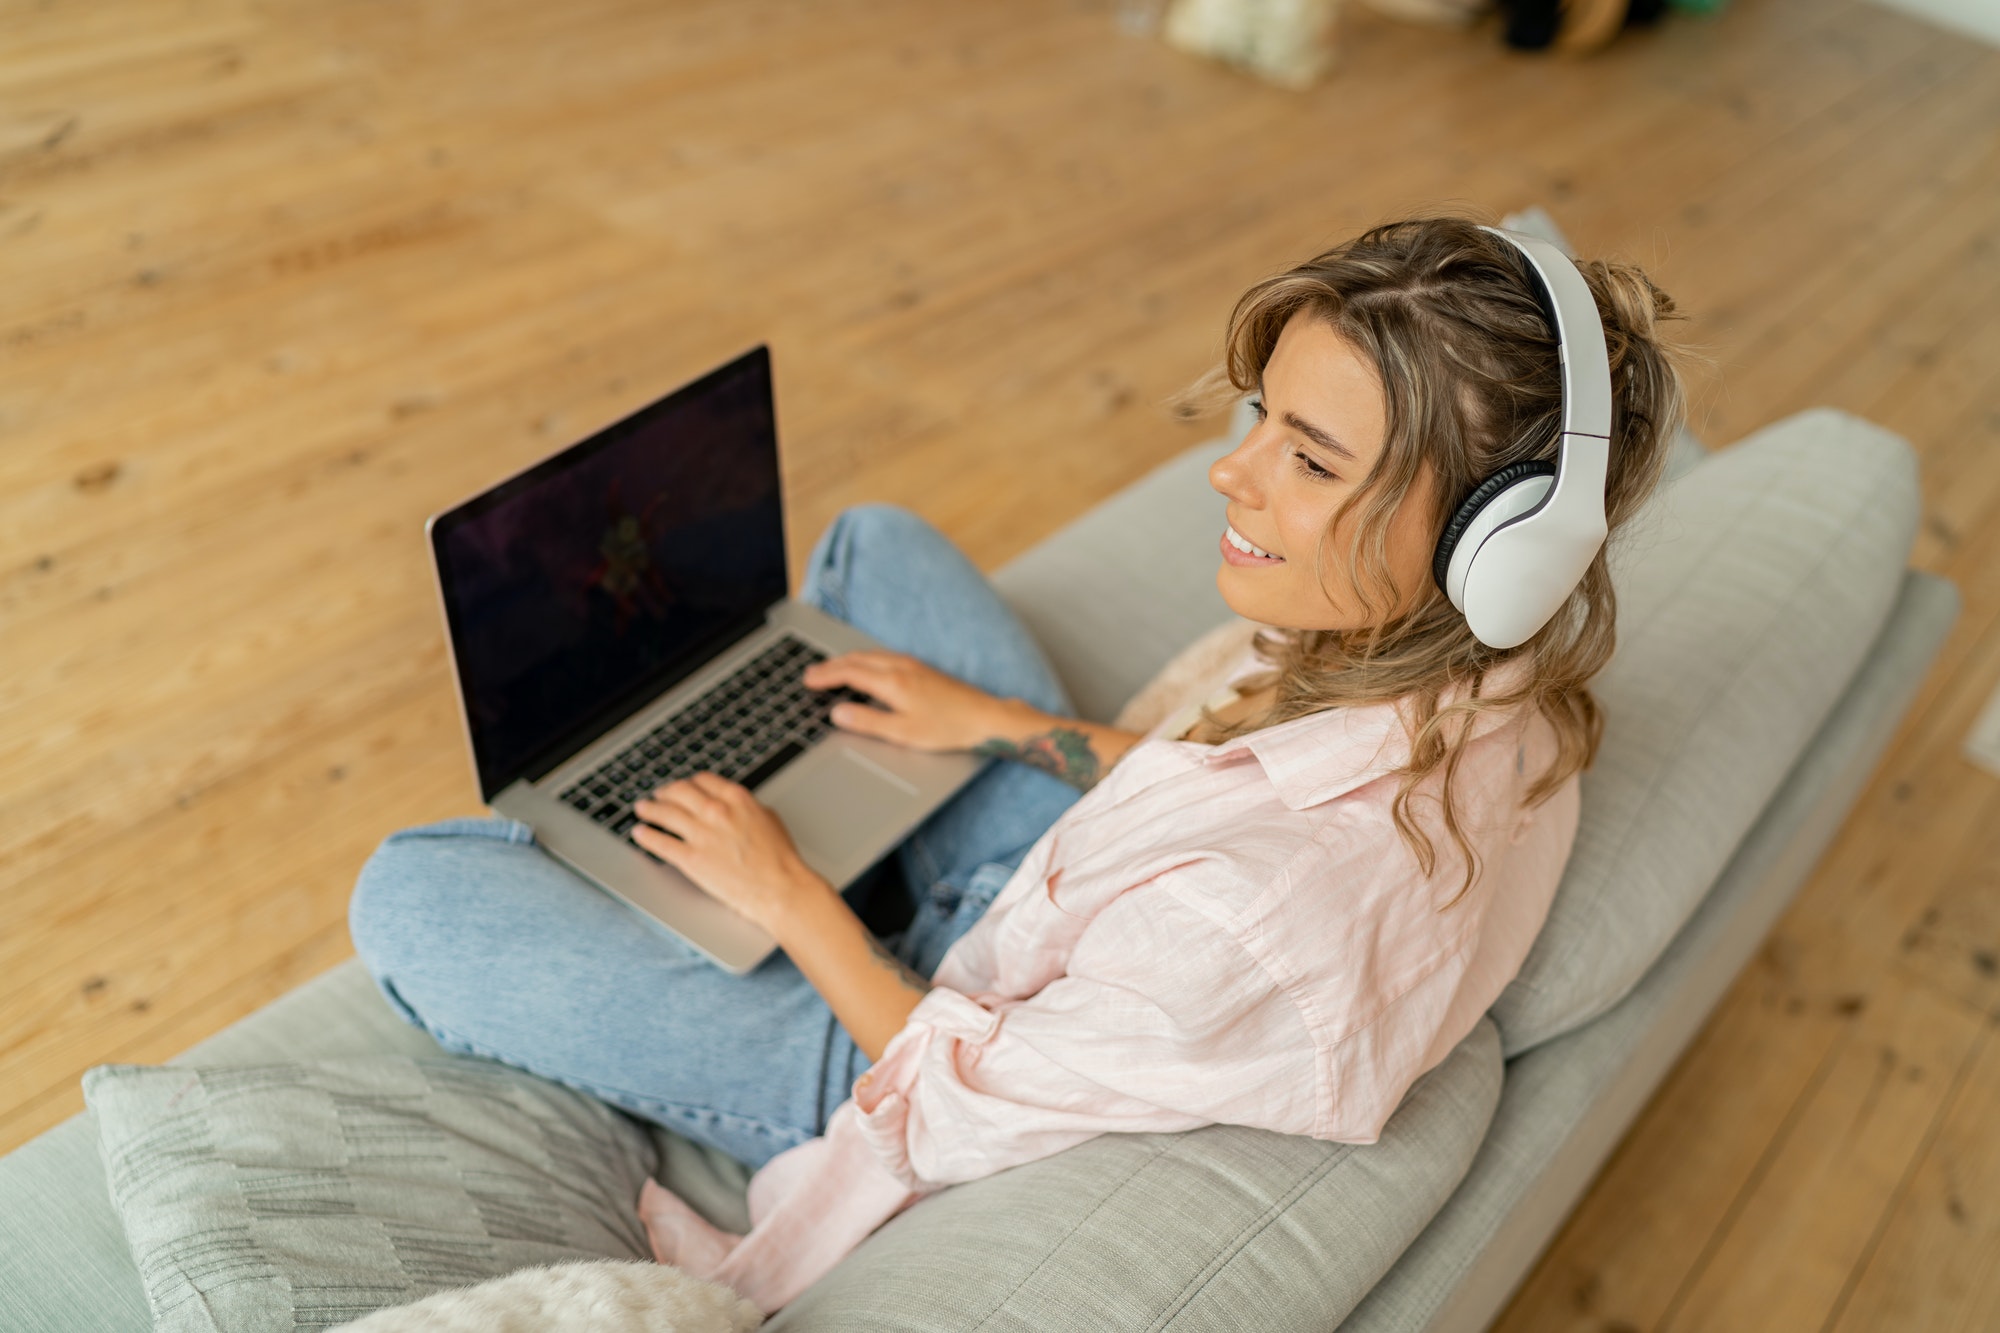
(1321,422)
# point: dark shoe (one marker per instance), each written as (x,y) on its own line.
(1530,24)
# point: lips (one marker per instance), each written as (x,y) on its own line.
(1240,550)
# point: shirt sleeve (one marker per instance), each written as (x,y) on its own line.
(1162,1022)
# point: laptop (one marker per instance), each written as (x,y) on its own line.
(619,617)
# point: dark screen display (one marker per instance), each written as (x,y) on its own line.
(585,586)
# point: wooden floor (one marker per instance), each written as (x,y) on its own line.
(282,278)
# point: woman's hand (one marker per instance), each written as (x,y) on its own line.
(715,832)
(918,705)
(925,709)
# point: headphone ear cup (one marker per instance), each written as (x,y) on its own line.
(1482,495)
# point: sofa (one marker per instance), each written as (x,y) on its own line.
(1771,637)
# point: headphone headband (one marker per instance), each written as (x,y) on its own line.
(1586,365)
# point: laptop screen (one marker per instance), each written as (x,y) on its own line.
(581,588)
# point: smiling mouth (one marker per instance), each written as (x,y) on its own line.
(1245,545)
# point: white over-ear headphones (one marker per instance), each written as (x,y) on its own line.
(1515,550)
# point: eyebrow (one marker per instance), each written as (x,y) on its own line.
(1310,431)
(1318,436)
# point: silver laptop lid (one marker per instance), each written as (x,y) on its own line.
(582,588)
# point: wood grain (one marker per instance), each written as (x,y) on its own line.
(283,279)
(1930,1263)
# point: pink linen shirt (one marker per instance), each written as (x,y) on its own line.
(1230,934)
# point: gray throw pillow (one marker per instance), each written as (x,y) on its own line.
(303,1196)
(1747,599)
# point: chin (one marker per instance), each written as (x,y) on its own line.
(1249,608)
(1262,612)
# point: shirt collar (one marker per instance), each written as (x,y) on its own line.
(1322,755)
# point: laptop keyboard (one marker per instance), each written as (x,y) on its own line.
(747,727)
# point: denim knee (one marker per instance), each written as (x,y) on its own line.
(856,534)
(398,881)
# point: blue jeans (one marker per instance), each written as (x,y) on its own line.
(497,949)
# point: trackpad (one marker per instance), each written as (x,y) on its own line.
(842,809)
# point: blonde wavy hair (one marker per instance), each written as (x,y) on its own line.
(1449,317)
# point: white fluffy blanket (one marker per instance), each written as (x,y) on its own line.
(606,1296)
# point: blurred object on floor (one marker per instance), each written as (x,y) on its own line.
(1141,18)
(1286,42)
(1449,13)
(1579,26)
(1982,743)
(1975,18)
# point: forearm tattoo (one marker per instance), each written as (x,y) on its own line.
(908,975)
(1063,751)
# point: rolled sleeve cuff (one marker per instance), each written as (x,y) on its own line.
(882,1101)
(809,1207)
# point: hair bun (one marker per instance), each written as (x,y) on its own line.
(1630,306)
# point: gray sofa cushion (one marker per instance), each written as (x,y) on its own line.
(1222,1228)
(305,1195)
(1747,599)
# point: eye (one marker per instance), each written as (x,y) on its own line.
(1312,469)
(1305,464)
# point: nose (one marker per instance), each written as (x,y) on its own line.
(1234,475)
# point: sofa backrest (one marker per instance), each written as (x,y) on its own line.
(1748,597)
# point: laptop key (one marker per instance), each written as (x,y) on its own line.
(784,755)
(747,727)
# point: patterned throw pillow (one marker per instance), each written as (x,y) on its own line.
(303,1196)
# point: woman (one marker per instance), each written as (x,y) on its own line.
(1278,909)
